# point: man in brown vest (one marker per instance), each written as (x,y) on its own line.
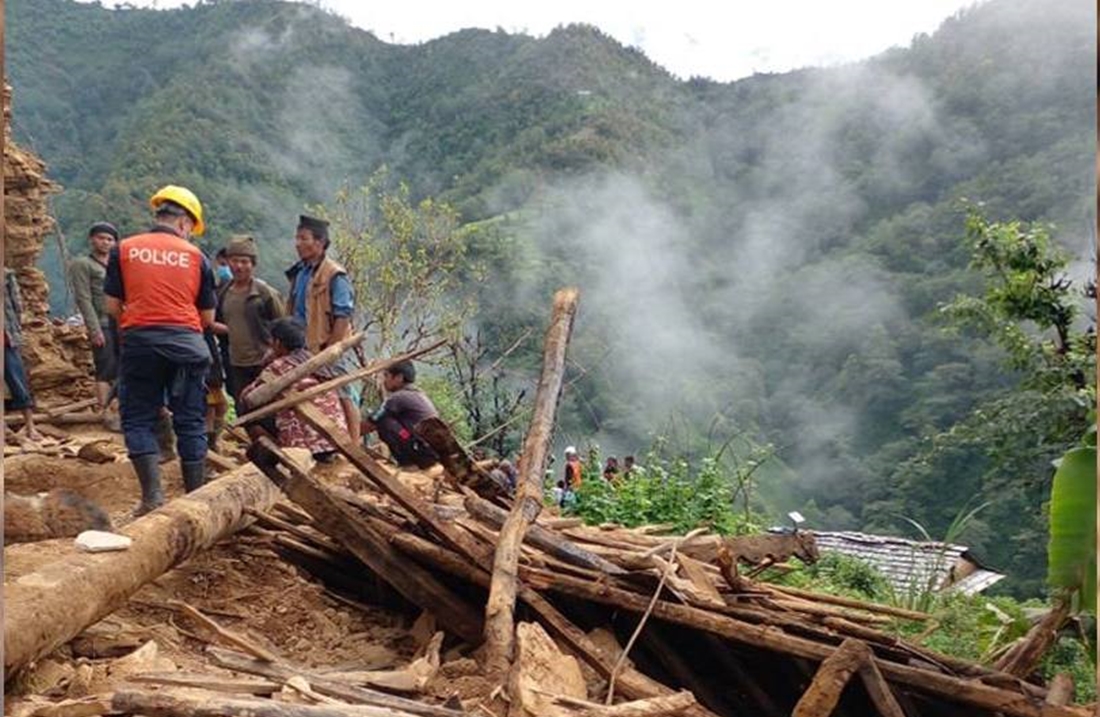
(321,296)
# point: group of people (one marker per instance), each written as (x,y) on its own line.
(171,331)
(564,492)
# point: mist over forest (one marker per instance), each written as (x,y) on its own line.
(763,260)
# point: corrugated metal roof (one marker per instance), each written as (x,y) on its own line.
(909,565)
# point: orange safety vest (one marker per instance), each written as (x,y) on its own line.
(573,474)
(161,276)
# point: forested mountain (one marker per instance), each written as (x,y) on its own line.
(764,258)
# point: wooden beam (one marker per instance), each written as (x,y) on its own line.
(198,704)
(962,691)
(823,694)
(333,517)
(47,608)
(270,407)
(267,392)
(337,689)
(878,689)
(550,541)
(629,681)
(500,609)
(392,486)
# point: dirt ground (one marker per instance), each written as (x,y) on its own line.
(241,583)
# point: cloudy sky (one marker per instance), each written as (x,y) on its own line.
(720,40)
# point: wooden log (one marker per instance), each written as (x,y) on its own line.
(459,466)
(267,392)
(850,602)
(554,544)
(629,681)
(649,707)
(263,408)
(961,691)
(1025,655)
(882,697)
(196,704)
(224,634)
(1061,690)
(214,683)
(500,609)
(326,686)
(54,604)
(64,419)
(823,694)
(405,496)
(333,517)
(71,407)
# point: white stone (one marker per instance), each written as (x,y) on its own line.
(99,541)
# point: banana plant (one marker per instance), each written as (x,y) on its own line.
(1071,554)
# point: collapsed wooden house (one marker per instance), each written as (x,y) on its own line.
(913,566)
(664,622)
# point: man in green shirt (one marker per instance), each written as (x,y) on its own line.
(86,275)
(247,306)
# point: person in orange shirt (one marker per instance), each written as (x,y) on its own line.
(573,469)
(160,288)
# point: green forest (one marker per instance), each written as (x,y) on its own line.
(872,280)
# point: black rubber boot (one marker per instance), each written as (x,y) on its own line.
(147,469)
(194,474)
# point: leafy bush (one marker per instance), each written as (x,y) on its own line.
(838,574)
(665,491)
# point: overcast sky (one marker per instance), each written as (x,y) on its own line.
(721,40)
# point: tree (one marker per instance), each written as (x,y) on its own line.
(1003,449)
(408,262)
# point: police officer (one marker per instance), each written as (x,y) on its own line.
(160,288)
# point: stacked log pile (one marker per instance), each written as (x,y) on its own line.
(57,356)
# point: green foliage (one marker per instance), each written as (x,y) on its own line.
(408,264)
(1072,551)
(837,574)
(665,491)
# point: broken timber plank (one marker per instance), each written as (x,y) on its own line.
(326,686)
(553,543)
(197,704)
(649,707)
(214,683)
(267,392)
(878,689)
(629,681)
(226,635)
(390,484)
(823,694)
(47,608)
(500,609)
(338,521)
(954,689)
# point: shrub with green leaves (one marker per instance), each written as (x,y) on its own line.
(665,491)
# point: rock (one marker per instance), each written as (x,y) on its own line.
(98,541)
(144,659)
(98,451)
(541,667)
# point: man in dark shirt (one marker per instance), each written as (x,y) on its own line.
(86,275)
(160,289)
(405,407)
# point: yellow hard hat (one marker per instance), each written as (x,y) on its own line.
(184,197)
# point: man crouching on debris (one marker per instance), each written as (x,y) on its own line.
(160,288)
(288,347)
(405,406)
